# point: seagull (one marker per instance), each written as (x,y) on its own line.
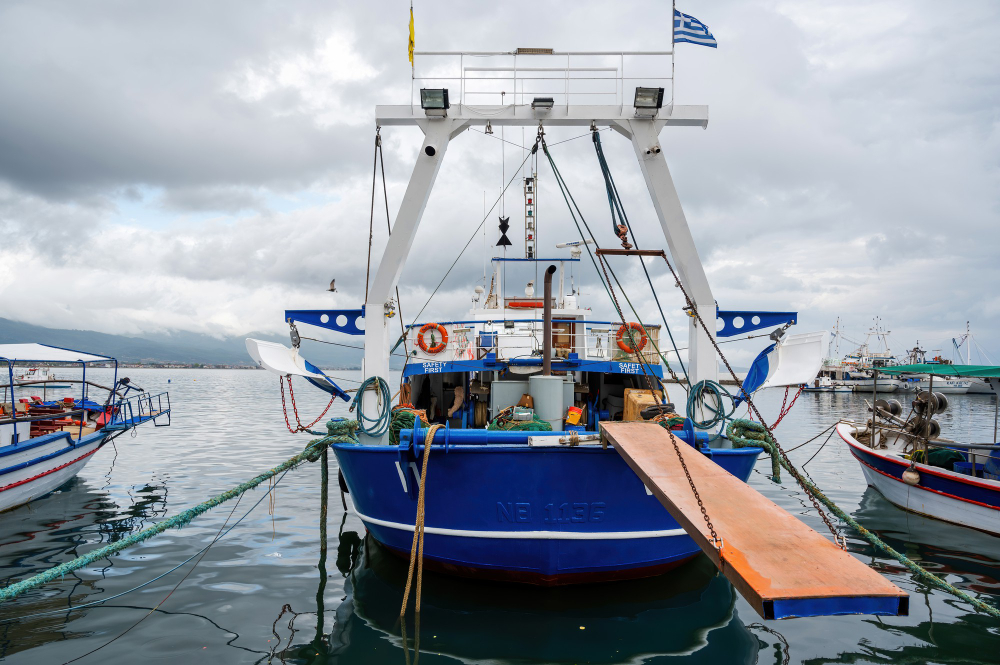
(333,286)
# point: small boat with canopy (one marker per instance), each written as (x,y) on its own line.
(46,442)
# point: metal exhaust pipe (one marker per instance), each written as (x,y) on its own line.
(547,324)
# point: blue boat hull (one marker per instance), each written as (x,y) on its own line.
(541,515)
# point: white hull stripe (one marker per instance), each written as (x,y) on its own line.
(526,535)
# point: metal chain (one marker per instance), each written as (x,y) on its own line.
(784,412)
(795,473)
(673,440)
(295,409)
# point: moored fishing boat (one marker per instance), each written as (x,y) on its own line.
(43,444)
(908,462)
(521,484)
(41,377)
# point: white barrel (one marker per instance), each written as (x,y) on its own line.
(547,394)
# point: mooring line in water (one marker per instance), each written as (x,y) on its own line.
(165,598)
(417,554)
(340,431)
(101,601)
(744,433)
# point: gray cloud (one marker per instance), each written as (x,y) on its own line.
(224,150)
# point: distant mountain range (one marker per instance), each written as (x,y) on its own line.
(174,347)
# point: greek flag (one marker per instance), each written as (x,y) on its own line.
(691,30)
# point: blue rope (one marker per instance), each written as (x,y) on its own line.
(380,423)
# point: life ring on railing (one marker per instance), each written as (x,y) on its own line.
(436,348)
(637,332)
(526,304)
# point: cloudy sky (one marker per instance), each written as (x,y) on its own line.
(202,166)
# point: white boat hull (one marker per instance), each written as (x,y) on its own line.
(946,386)
(936,495)
(979,387)
(58,462)
(932,504)
(882,386)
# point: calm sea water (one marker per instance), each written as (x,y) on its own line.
(262,593)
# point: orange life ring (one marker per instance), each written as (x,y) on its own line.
(437,348)
(623,343)
(526,304)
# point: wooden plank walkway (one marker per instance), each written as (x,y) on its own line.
(781,566)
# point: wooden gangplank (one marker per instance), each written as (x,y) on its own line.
(781,566)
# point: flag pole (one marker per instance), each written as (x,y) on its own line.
(412,45)
(673,54)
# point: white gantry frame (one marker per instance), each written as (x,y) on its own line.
(644,135)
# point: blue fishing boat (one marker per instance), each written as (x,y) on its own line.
(520,484)
(44,444)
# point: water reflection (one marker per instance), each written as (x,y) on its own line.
(688,612)
(970,638)
(968,558)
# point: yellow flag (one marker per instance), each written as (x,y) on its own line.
(411,36)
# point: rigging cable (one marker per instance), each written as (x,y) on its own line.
(614,200)
(571,204)
(476,232)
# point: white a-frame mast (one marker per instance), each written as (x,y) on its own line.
(643,132)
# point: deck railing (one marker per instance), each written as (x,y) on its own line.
(140,408)
(502,78)
(523,338)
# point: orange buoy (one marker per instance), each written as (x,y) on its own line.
(638,333)
(434,348)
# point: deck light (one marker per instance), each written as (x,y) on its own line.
(543,103)
(434,101)
(648,101)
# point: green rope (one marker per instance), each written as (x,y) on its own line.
(339,431)
(504,423)
(380,423)
(401,419)
(748,433)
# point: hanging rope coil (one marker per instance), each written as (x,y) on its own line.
(700,400)
(380,423)
(339,431)
(750,434)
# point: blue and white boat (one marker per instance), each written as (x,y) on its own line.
(911,465)
(542,507)
(43,444)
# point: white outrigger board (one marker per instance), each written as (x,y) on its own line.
(283,361)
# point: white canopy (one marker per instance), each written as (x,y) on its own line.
(46,353)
